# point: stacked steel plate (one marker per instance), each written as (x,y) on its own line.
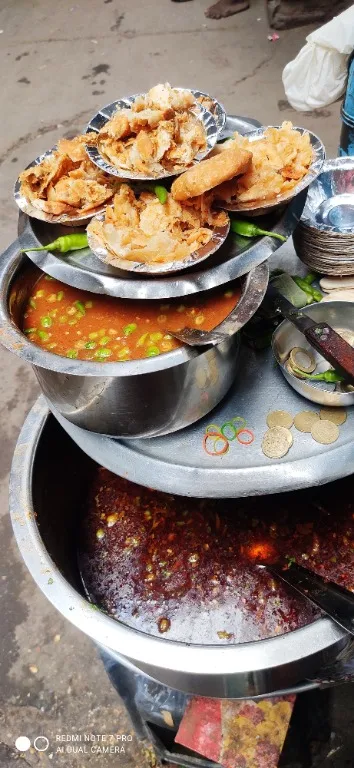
(324,239)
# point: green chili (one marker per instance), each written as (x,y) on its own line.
(30,330)
(72,353)
(101,354)
(63,244)
(142,340)
(43,335)
(130,328)
(156,336)
(161,193)
(310,278)
(46,321)
(152,351)
(247,229)
(90,345)
(330,377)
(80,307)
(304,285)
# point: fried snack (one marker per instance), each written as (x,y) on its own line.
(157,133)
(210,173)
(67,182)
(141,229)
(279,161)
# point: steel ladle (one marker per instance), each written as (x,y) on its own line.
(335,601)
(244,310)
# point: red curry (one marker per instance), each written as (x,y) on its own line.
(185,568)
(78,324)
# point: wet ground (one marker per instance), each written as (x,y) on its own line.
(59,63)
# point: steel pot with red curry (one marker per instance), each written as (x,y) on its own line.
(80,325)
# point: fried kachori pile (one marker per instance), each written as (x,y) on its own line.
(158,133)
(280,161)
(67,182)
(139,228)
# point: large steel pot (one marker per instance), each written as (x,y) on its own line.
(45,504)
(138,398)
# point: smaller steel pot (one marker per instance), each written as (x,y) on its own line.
(138,398)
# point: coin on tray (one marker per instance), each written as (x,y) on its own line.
(280,419)
(335,415)
(324,432)
(276,442)
(304,420)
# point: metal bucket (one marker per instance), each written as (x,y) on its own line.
(45,506)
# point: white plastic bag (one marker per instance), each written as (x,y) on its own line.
(317,76)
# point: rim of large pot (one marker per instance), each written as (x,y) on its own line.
(209,660)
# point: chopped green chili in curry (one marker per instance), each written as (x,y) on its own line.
(80,325)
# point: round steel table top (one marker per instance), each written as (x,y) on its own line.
(178,463)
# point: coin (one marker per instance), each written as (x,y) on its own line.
(324,431)
(302,359)
(304,420)
(276,442)
(280,419)
(335,415)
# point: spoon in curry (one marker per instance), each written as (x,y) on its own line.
(254,287)
(335,601)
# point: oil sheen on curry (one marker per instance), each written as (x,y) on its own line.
(185,569)
(78,324)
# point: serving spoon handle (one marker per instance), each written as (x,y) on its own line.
(335,601)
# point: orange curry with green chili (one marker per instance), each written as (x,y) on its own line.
(78,324)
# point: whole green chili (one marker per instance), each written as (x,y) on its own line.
(310,278)
(304,285)
(161,193)
(63,244)
(330,377)
(247,229)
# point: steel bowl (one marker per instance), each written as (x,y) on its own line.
(137,398)
(27,207)
(330,201)
(104,115)
(266,206)
(45,508)
(339,314)
(217,110)
(157,267)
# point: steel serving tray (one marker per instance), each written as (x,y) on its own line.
(44,517)
(179,464)
(235,258)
